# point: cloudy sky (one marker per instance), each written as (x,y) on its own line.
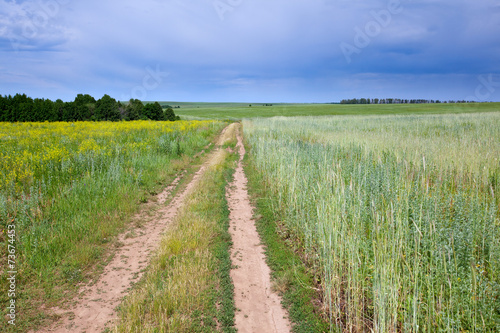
(251,50)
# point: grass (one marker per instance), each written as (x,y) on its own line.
(71,188)
(399,214)
(237,111)
(187,287)
(395,217)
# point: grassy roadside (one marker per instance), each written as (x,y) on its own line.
(297,283)
(72,236)
(188,287)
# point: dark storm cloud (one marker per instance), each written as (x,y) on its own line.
(295,50)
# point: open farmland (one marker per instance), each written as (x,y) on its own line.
(249,166)
(381,222)
(398,215)
(69,188)
(238,111)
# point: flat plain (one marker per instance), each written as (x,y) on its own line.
(382,218)
(237,111)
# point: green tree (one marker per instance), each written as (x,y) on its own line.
(153,111)
(69,112)
(107,109)
(122,110)
(21,108)
(169,114)
(134,110)
(148,111)
(158,112)
(84,106)
(48,107)
(57,110)
(9,112)
(42,109)
(4,108)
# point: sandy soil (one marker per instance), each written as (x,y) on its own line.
(258,307)
(94,308)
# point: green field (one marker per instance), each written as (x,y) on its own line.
(382,218)
(398,215)
(237,111)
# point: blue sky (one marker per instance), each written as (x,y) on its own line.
(251,50)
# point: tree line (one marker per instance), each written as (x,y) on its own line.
(396,101)
(21,108)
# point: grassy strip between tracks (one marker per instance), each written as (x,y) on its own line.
(187,287)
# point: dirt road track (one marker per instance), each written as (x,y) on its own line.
(258,307)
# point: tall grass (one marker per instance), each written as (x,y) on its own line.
(71,187)
(400,214)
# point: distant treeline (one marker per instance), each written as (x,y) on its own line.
(23,109)
(396,101)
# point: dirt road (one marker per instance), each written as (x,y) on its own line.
(94,308)
(258,307)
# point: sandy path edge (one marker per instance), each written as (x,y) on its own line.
(258,307)
(94,307)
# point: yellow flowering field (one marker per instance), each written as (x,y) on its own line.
(68,188)
(31,151)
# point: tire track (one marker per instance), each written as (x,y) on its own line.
(258,307)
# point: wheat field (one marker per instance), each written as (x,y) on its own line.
(398,214)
